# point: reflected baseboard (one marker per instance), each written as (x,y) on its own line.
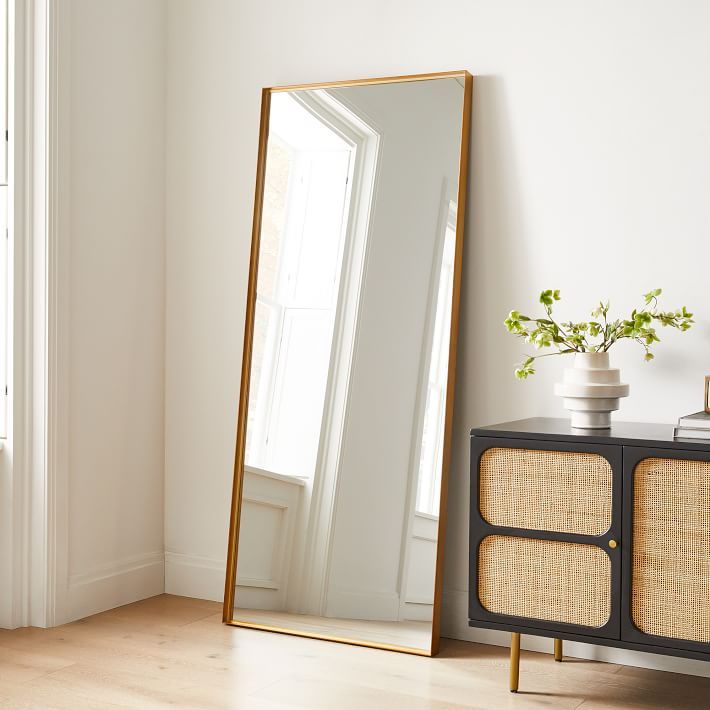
(415,611)
(365,605)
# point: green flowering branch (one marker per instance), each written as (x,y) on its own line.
(593,336)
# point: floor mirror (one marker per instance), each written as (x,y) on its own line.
(346,403)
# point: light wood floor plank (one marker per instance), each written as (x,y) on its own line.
(175,652)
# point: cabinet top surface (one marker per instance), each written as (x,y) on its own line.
(620,433)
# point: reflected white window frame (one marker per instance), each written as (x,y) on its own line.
(280,304)
(320,494)
(349,121)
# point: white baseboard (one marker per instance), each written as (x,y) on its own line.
(112,585)
(194,576)
(454,624)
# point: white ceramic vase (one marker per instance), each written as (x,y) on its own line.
(591,391)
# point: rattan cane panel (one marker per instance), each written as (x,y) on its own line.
(545,579)
(560,491)
(671,549)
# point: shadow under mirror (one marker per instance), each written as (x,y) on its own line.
(343,437)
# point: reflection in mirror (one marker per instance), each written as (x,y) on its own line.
(338,492)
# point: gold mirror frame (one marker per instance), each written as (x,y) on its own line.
(231,573)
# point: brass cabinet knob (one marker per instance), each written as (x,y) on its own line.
(613,544)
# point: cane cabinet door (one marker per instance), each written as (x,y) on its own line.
(545,535)
(666,600)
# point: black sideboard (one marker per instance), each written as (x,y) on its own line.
(598,536)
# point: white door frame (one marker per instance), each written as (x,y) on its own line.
(38,435)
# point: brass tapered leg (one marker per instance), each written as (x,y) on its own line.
(514,661)
(558,650)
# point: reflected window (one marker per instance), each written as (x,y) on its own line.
(305,215)
(432,446)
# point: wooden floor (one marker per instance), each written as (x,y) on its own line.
(174,652)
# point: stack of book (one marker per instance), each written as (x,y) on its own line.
(694,426)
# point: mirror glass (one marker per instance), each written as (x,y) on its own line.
(339,471)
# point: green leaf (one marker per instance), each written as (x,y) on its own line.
(547,298)
(651,295)
(525,369)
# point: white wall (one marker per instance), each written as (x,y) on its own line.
(115,248)
(209,188)
(590,173)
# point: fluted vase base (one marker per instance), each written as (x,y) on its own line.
(591,391)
